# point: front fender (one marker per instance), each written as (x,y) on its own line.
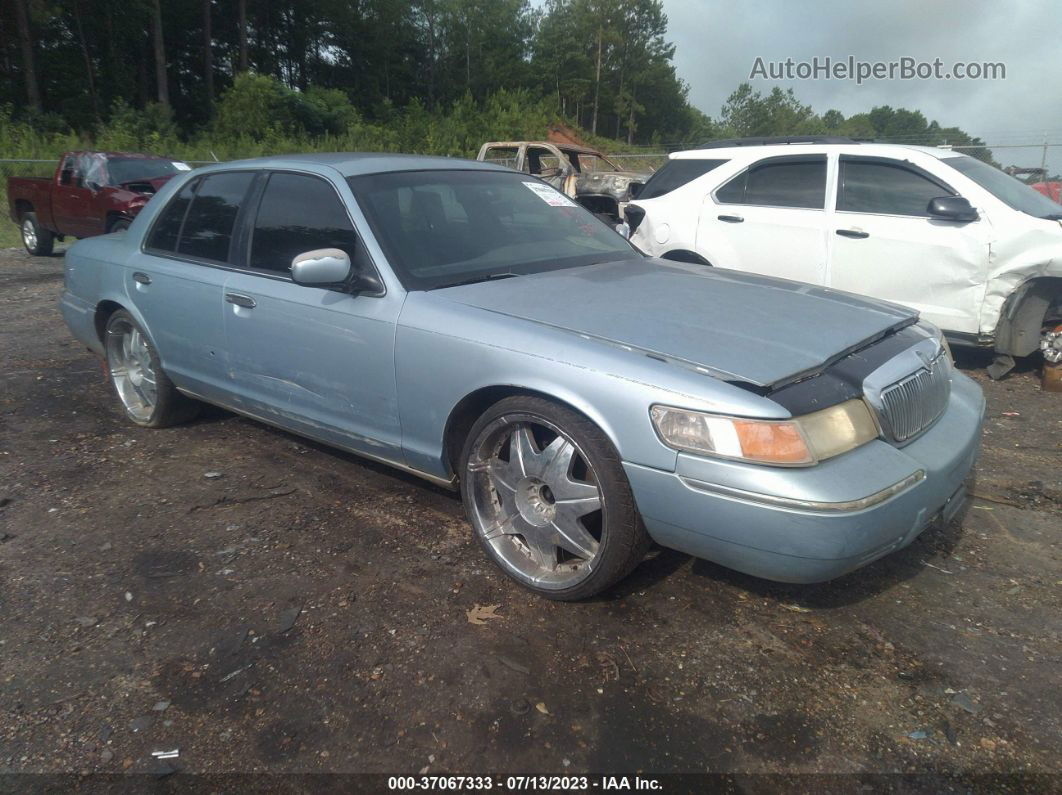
(1014,263)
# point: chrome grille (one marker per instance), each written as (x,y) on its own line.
(913,404)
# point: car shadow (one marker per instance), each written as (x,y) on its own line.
(211,414)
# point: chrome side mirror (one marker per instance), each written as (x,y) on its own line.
(321,266)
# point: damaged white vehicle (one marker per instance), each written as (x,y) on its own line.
(974,250)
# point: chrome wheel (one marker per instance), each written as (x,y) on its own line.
(129,361)
(536,501)
(29,234)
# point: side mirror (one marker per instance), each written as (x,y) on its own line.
(952,208)
(321,266)
(633,215)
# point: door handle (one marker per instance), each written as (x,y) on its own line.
(731,219)
(239,299)
(857,234)
(141,278)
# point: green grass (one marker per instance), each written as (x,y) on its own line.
(9,234)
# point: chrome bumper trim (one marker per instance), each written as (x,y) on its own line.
(810,505)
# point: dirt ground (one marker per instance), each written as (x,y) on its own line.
(262,603)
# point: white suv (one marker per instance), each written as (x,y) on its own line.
(974,250)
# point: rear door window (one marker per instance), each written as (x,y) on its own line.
(208,225)
(797,182)
(298,213)
(675,174)
(167,227)
(875,186)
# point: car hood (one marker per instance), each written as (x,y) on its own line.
(738,326)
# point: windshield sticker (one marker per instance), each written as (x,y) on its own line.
(181,166)
(549,195)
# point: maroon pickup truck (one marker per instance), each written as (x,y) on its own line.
(91,193)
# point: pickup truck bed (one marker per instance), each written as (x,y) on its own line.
(91,193)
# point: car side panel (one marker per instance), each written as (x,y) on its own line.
(445,352)
(38,192)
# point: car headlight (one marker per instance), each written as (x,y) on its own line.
(800,441)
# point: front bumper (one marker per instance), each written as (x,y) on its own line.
(812,524)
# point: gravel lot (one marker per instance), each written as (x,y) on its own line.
(266,604)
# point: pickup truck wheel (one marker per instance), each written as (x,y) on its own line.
(548,499)
(120,225)
(148,396)
(38,241)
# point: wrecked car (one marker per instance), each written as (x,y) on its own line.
(582,173)
(91,193)
(475,327)
(972,249)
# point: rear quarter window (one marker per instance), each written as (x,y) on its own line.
(675,174)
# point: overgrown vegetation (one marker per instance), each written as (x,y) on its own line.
(205,79)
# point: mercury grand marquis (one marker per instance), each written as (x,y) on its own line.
(474,326)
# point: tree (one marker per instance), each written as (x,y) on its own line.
(208,55)
(161,79)
(29,64)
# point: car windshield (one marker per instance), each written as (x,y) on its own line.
(1006,188)
(442,228)
(589,164)
(132,169)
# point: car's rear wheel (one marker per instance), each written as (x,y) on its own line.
(119,225)
(548,499)
(38,241)
(147,395)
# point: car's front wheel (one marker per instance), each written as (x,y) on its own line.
(147,394)
(548,499)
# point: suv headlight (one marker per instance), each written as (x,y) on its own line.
(800,441)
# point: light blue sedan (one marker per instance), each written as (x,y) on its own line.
(474,326)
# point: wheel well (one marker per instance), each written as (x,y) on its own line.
(22,207)
(471,408)
(112,217)
(684,255)
(1024,314)
(104,310)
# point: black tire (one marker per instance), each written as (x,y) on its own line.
(623,537)
(169,407)
(119,225)
(38,241)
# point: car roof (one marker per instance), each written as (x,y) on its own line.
(773,150)
(352,164)
(582,150)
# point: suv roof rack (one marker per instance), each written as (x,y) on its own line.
(779,139)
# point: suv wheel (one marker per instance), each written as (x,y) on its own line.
(548,499)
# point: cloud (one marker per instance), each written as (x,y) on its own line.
(717,43)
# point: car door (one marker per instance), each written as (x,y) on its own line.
(885,244)
(770,219)
(176,281)
(72,200)
(314,359)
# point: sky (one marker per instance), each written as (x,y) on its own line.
(718,42)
